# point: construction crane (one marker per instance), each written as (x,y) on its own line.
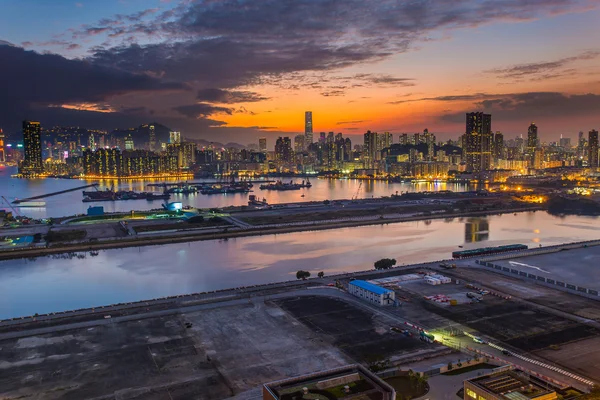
(357,191)
(10,205)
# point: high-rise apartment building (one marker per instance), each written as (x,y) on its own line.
(564,142)
(174,137)
(152,138)
(2,155)
(593,149)
(403,140)
(262,144)
(498,151)
(478,142)
(532,138)
(299,143)
(283,150)
(308,128)
(32,146)
(370,149)
(384,140)
(129,143)
(429,139)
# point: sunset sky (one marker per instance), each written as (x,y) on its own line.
(235,70)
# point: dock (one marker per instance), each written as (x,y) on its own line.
(41,196)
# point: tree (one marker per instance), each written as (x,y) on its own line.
(385,263)
(321,274)
(302,275)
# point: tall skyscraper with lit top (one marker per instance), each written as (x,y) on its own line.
(32,146)
(308,128)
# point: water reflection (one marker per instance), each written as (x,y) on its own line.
(477,230)
(51,284)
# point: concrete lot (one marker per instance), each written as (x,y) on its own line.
(353,330)
(226,351)
(578,266)
(582,356)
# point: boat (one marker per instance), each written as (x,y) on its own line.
(183,190)
(32,204)
(253,201)
(225,189)
(279,185)
(154,196)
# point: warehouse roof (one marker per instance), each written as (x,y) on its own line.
(369,286)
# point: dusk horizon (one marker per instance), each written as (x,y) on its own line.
(232,71)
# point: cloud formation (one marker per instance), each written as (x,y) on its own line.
(214,95)
(542,70)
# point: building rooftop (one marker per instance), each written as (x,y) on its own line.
(511,385)
(351,380)
(369,286)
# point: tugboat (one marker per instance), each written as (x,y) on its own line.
(253,201)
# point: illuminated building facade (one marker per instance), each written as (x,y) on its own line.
(308,128)
(593,149)
(478,142)
(174,137)
(370,149)
(32,146)
(262,144)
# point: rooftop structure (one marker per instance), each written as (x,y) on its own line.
(352,380)
(371,292)
(507,384)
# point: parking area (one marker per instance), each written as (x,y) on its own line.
(581,273)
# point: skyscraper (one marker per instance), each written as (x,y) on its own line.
(308,128)
(429,139)
(91,142)
(152,138)
(478,141)
(283,150)
(32,144)
(174,137)
(299,143)
(498,145)
(129,143)
(262,144)
(593,149)
(532,138)
(370,149)
(2,156)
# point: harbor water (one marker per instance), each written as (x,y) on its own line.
(60,283)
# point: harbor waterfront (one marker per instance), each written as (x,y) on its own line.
(64,282)
(71,203)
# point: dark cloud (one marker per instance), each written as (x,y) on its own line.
(350,122)
(229,44)
(32,79)
(533,105)
(462,97)
(333,93)
(542,70)
(215,95)
(201,110)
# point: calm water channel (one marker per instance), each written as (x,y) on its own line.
(52,284)
(70,203)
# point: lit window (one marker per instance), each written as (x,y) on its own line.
(471,393)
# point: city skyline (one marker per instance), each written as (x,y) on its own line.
(104,67)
